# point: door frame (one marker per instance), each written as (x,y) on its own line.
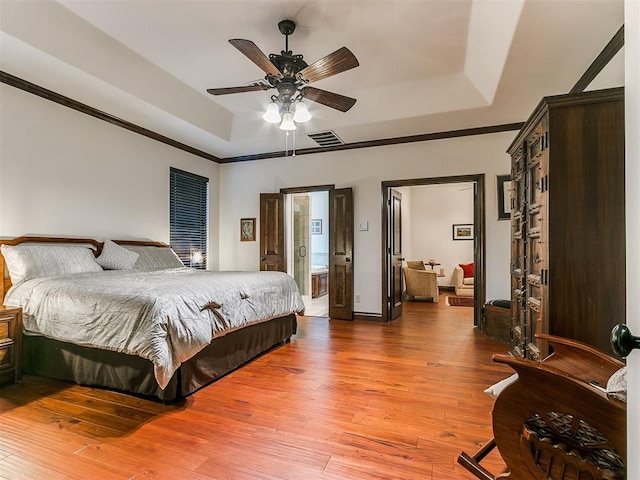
(479,239)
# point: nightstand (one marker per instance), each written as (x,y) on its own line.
(10,344)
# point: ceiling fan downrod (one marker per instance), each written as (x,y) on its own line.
(286,27)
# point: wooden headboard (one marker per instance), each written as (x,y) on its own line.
(6,279)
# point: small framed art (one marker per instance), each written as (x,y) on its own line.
(247,229)
(504,197)
(463,231)
(316,226)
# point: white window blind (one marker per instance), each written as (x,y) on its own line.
(189,215)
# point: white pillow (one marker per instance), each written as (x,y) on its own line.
(495,389)
(155,258)
(25,262)
(115,257)
(617,385)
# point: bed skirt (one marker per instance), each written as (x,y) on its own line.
(132,374)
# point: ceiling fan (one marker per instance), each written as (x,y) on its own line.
(290,74)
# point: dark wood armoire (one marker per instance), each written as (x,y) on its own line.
(567,222)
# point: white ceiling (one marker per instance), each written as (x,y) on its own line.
(425,65)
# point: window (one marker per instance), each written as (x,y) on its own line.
(188,217)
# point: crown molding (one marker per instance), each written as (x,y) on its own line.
(55,97)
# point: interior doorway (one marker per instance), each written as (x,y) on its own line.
(308,236)
(275,243)
(393,255)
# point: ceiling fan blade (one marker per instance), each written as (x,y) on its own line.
(330,99)
(253,53)
(246,88)
(336,62)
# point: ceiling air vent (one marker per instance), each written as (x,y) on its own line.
(326,139)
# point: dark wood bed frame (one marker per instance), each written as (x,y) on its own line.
(128,373)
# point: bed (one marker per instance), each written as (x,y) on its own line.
(127,315)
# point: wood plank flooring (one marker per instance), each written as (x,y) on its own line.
(316,307)
(343,400)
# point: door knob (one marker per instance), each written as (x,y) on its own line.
(623,341)
(263,259)
(348,259)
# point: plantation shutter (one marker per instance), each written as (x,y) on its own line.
(188,212)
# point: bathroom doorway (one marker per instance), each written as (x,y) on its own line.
(277,250)
(308,227)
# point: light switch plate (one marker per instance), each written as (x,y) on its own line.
(364,226)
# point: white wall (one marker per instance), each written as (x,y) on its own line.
(364,170)
(632,126)
(66,173)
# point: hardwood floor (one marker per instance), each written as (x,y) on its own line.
(342,400)
(316,307)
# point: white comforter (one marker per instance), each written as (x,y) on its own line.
(165,316)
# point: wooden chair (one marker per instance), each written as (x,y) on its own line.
(556,421)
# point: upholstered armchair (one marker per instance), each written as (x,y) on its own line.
(463,284)
(421,283)
(416,264)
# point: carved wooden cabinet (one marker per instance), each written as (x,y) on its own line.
(567,222)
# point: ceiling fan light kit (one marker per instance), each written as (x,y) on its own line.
(301,113)
(289,74)
(272,115)
(287,122)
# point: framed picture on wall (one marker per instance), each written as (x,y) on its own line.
(247,229)
(316,226)
(463,231)
(504,197)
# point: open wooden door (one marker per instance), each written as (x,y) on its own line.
(273,254)
(395,254)
(341,253)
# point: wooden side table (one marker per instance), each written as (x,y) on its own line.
(10,344)
(431,263)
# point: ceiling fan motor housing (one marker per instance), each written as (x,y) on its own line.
(288,63)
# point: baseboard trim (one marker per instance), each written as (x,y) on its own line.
(375,317)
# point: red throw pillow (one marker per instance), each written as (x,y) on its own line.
(467,269)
